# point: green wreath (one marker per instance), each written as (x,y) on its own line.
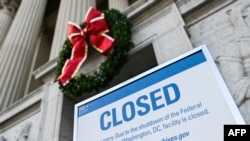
(120,30)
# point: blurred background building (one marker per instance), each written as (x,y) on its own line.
(32,33)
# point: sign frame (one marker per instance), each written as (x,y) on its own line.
(208,58)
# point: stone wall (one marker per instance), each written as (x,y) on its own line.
(22,120)
(226,33)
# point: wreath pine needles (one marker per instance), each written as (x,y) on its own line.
(120,30)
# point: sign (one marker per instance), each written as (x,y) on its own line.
(183,99)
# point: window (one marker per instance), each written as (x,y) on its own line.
(102,4)
(138,62)
(130,2)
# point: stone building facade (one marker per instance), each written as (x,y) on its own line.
(32,33)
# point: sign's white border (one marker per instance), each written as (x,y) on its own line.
(228,98)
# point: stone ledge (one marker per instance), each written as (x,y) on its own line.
(45,71)
(187,5)
(21,105)
(205,11)
(137,7)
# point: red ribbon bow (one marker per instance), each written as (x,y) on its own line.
(94,31)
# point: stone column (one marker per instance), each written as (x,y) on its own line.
(118,4)
(73,11)
(18,49)
(7,11)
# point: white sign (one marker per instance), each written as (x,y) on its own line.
(183,99)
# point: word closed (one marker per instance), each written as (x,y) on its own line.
(141,106)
